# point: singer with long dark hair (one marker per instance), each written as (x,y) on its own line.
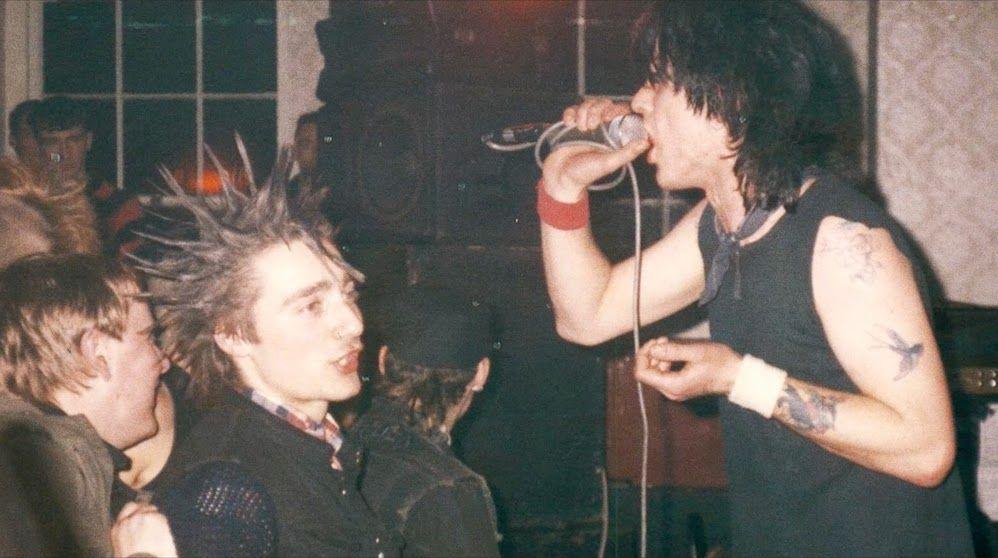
(839,437)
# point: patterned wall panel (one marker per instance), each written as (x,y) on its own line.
(298,62)
(937,147)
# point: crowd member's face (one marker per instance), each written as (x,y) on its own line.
(306,147)
(126,395)
(308,330)
(26,145)
(66,150)
(685,146)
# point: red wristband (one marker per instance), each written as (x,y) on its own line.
(562,216)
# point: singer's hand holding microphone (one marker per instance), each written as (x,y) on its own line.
(569,169)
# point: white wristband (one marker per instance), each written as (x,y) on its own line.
(757,386)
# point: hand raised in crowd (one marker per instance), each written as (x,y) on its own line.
(569,169)
(141,530)
(707,367)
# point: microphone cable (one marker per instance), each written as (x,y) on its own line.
(554,135)
(559,131)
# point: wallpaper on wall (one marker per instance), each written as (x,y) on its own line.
(938,150)
(299,62)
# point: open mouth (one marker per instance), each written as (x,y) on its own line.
(348,363)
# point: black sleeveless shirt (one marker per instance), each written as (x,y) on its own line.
(790,497)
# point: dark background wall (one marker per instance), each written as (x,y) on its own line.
(409,88)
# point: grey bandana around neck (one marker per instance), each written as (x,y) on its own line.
(728,248)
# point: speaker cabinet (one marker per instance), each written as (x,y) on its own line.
(377,157)
(408,164)
(410,88)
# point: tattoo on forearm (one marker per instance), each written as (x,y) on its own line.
(910,354)
(850,245)
(808,411)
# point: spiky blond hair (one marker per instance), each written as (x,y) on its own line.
(208,283)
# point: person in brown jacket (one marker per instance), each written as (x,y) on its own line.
(35,218)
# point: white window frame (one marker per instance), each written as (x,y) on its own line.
(298,65)
(22,55)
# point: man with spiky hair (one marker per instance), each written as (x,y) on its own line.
(259,307)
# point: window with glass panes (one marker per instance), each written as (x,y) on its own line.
(162,77)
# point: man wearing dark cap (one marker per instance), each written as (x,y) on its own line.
(433,361)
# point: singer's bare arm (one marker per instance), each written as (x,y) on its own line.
(900,423)
(592,298)
(871,309)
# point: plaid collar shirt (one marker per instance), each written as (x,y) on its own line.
(327,430)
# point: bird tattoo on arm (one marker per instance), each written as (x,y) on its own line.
(909,353)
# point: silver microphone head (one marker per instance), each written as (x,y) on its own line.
(625,129)
(55,157)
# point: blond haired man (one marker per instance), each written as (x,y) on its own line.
(80,371)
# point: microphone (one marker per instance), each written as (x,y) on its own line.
(619,132)
(625,129)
